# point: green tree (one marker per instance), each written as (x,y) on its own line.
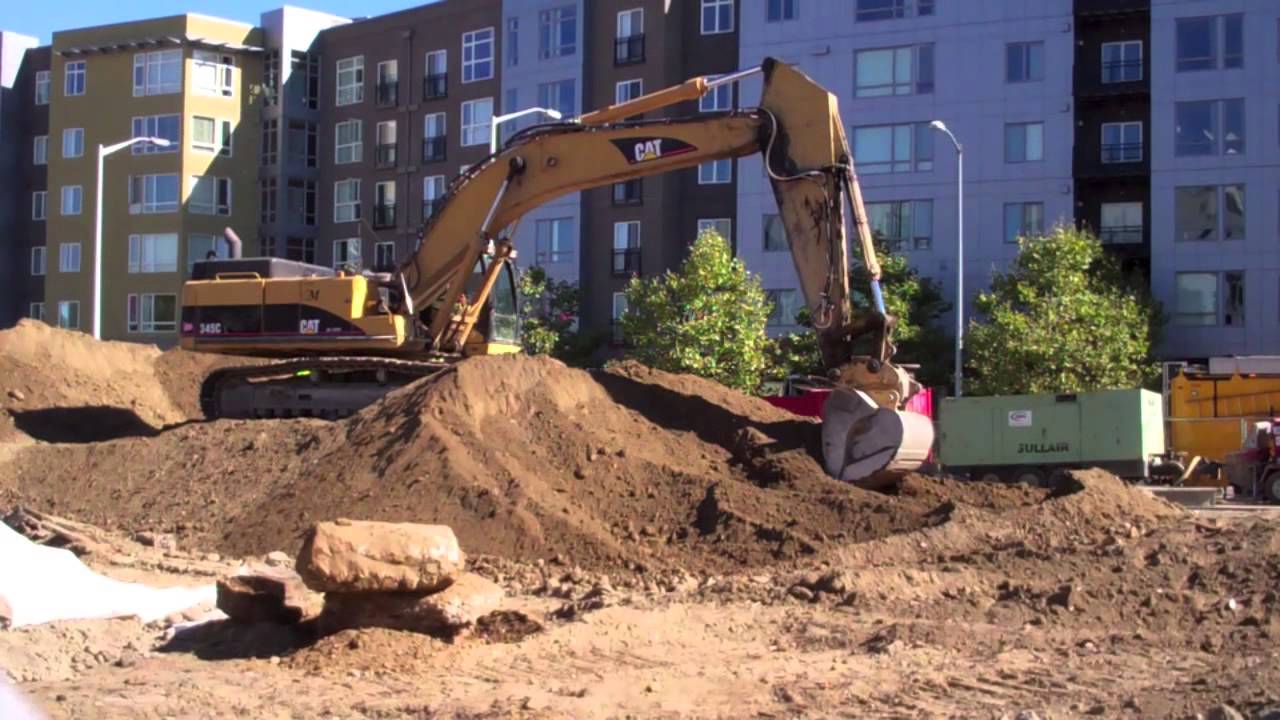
(549,318)
(1062,319)
(707,318)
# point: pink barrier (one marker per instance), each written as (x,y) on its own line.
(811,401)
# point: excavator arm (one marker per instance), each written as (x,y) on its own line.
(798,128)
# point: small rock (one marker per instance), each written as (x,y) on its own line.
(213,557)
(267,594)
(442,613)
(648,531)
(651,687)
(127,659)
(1231,604)
(16,394)
(801,592)
(580,474)
(1223,712)
(1027,715)
(1063,597)
(275,660)
(160,541)
(1097,710)
(355,557)
(276,558)
(836,583)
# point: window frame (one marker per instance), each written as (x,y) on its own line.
(764,233)
(715,177)
(617,87)
(354,87)
(1027,46)
(1221,227)
(470,44)
(138,245)
(151,128)
(551,27)
(39,261)
(221,189)
(915,85)
(1217,59)
(42,86)
(1217,145)
(223,68)
(781,15)
(35,311)
(68,304)
(69,257)
(378,250)
(776,317)
(713,223)
(898,10)
(1122,45)
(1106,231)
(906,239)
(75,78)
(155,61)
(716,7)
(40,150)
(347,244)
(144,191)
(1122,126)
(355,147)
(915,162)
(1021,232)
(471,129)
(76,135)
(353,205)
(77,191)
(1027,134)
(43,204)
(136,307)
(557,247)
(717,99)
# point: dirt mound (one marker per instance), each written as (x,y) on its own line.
(181,372)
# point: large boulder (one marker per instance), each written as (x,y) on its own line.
(442,614)
(354,556)
(267,594)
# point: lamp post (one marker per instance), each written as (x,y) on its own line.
(499,119)
(103,151)
(959,375)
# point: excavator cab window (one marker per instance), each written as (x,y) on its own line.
(503,301)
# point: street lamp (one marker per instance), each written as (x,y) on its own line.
(959,376)
(103,151)
(499,119)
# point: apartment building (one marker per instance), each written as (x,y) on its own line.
(407,100)
(19,119)
(190,80)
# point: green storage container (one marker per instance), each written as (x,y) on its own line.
(1025,436)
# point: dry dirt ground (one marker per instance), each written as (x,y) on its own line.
(670,549)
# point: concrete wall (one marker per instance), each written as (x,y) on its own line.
(970,95)
(1257,168)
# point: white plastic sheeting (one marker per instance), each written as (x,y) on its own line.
(41,584)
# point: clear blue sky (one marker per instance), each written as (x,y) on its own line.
(42,17)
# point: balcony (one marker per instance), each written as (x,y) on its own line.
(433,148)
(384,216)
(626,262)
(386,155)
(435,86)
(1121,71)
(1101,9)
(430,208)
(389,93)
(627,193)
(1121,235)
(628,50)
(1115,153)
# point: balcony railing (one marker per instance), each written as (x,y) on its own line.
(389,93)
(1121,153)
(628,50)
(433,148)
(1120,234)
(431,207)
(435,86)
(626,262)
(627,193)
(1121,71)
(386,155)
(384,216)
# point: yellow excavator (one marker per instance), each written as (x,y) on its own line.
(336,341)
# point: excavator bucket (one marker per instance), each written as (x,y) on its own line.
(871,445)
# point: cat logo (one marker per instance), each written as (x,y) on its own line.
(647,149)
(309,326)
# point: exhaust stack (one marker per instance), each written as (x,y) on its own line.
(233,243)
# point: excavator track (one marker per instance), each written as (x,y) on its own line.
(327,387)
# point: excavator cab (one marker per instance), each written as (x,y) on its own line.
(497,328)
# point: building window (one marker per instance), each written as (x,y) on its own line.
(152,313)
(40,150)
(153,253)
(1122,61)
(559,96)
(38,260)
(630,192)
(780,10)
(1121,142)
(385,151)
(69,314)
(268,192)
(775,234)
(626,248)
(1023,220)
(346,200)
(69,257)
(72,195)
(214,73)
(157,73)
(894,71)
(783,305)
(615,318)
(214,136)
(512,49)
(477,55)
(271,77)
(1210,43)
(301,201)
(384,256)
(554,241)
(627,90)
(476,118)
(871,10)
(42,87)
(72,142)
(307,65)
(167,127)
(35,311)
(1209,213)
(302,249)
(893,148)
(1196,298)
(348,138)
(558,32)
(153,194)
(1024,62)
(720,226)
(384,204)
(388,87)
(628,43)
(902,225)
(717,99)
(434,141)
(346,254)
(39,204)
(303,144)
(1209,127)
(717,16)
(715,172)
(210,195)
(1023,142)
(73,81)
(433,190)
(350,81)
(435,84)
(1121,223)
(270,138)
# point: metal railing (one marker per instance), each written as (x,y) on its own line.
(389,93)
(384,216)
(1121,153)
(435,86)
(626,262)
(1121,71)
(628,50)
(386,155)
(627,193)
(433,148)
(1120,234)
